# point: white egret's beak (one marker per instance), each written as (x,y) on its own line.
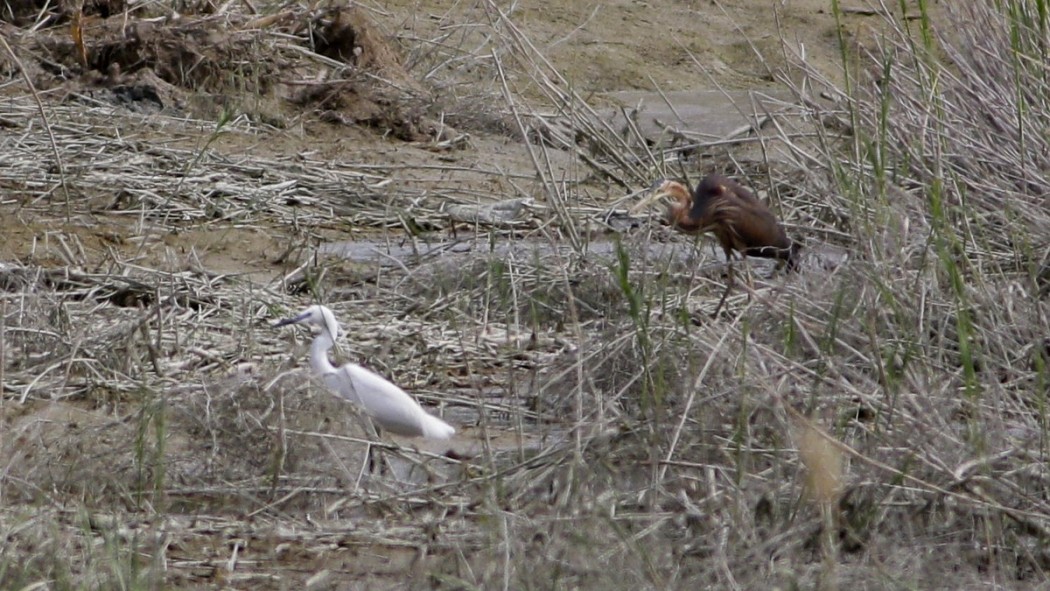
(294,320)
(319,315)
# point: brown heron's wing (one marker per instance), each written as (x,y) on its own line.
(719,216)
(737,191)
(761,233)
(746,226)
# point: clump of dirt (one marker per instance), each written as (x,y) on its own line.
(25,12)
(348,35)
(377,92)
(151,66)
(20,12)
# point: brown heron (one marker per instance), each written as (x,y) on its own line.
(740,221)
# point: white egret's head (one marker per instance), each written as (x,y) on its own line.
(316,315)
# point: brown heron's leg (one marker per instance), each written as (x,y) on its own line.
(729,283)
(750,277)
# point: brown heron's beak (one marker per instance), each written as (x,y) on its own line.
(657,184)
(656,193)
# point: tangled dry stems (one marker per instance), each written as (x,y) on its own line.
(651,447)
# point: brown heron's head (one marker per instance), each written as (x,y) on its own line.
(660,190)
(713,186)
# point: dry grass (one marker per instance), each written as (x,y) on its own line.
(158,434)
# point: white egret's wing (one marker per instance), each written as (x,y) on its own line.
(341,384)
(390,407)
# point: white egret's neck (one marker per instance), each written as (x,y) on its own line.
(319,353)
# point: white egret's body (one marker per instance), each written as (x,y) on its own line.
(389,406)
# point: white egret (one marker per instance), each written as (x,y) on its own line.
(389,406)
